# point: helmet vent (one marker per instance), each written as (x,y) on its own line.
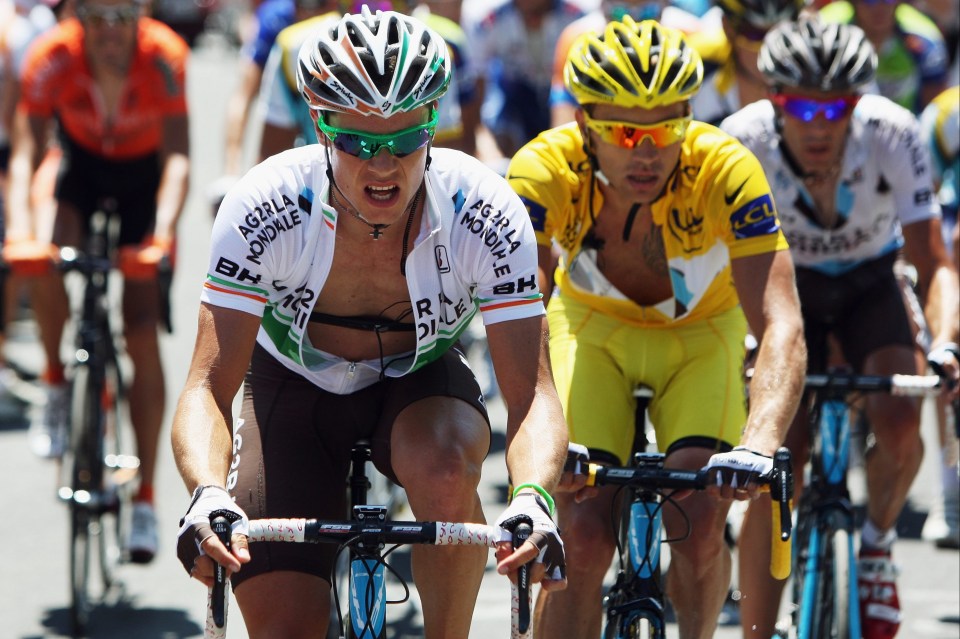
(378,64)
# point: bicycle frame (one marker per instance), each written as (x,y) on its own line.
(634,604)
(826,521)
(93,470)
(826,601)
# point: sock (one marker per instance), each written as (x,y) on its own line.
(875,539)
(948,471)
(145,494)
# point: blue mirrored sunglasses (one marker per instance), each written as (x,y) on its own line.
(807,109)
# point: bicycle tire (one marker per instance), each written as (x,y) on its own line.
(80,547)
(113,521)
(844,584)
(633,626)
(804,591)
(829,600)
(86,477)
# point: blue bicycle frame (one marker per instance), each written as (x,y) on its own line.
(828,604)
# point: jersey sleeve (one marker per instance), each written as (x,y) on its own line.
(273,16)
(43,65)
(235,274)
(540,180)
(739,189)
(905,165)
(273,99)
(507,287)
(171,62)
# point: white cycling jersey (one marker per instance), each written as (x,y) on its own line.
(272,249)
(884,184)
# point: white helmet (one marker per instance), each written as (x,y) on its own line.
(379,64)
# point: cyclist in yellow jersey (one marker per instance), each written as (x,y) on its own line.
(670,246)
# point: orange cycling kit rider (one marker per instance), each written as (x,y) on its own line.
(113,82)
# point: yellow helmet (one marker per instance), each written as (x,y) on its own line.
(634,64)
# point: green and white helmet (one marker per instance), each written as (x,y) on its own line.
(373,64)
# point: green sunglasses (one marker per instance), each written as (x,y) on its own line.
(366,145)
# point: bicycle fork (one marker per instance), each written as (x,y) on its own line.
(639,611)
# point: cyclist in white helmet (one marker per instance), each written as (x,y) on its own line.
(341,276)
(851,179)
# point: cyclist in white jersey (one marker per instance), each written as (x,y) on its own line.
(340,279)
(851,179)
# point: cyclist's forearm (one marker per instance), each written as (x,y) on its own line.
(24,161)
(536,431)
(172,194)
(942,308)
(537,447)
(776,387)
(202,439)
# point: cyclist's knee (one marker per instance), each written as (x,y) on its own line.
(303,611)
(895,423)
(588,540)
(439,442)
(699,535)
(451,473)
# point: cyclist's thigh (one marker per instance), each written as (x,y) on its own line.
(437,412)
(285,604)
(595,391)
(141,305)
(882,335)
(291,456)
(699,398)
(886,313)
(700,514)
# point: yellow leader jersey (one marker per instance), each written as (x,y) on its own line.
(716,206)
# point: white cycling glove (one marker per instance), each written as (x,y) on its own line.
(207,502)
(532,509)
(738,467)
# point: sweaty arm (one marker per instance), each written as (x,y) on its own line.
(937,280)
(202,434)
(27,147)
(536,443)
(768,296)
(536,431)
(238,113)
(175,176)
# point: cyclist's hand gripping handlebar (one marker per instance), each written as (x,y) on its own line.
(520,534)
(781,495)
(779,482)
(222,529)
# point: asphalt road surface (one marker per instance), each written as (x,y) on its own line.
(161,602)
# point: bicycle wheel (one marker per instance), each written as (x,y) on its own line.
(806,574)
(633,626)
(828,594)
(845,599)
(86,475)
(80,548)
(120,472)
